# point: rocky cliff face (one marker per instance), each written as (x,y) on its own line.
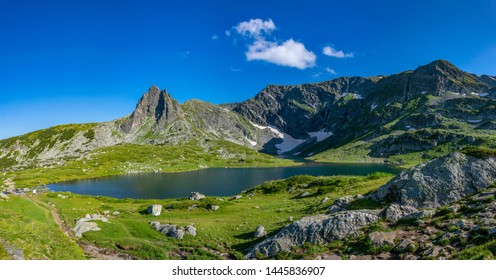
(155,105)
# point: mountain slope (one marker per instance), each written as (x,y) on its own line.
(404,118)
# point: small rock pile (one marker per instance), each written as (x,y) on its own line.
(174,230)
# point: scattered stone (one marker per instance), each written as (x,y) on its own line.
(196,196)
(394,212)
(173,230)
(214,207)
(291,218)
(106,212)
(191,230)
(260,232)
(305,194)
(193,207)
(238,197)
(406,245)
(154,209)
(428,213)
(381,239)
(4,196)
(62,196)
(17,254)
(464,224)
(492,231)
(324,200)
(115,213)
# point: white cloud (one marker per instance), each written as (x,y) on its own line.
(215,37)
(316,75)
(255,28)
(228,33)
(330,51)
(331,71)
(289,53)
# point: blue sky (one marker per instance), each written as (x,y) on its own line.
(87,61)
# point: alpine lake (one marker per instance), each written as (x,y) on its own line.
(210,181)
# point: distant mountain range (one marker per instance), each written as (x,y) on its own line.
(409,116)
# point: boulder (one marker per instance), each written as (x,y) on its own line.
(4,196)
(428,213)
(259,232)
(196,196)
(395,212)
(191,230)
(214,207)
(115,213)
(173,230)
(154,209)
(439,182)
(237,197)
(340,204)
(305,194)
(82,227)
(317,229)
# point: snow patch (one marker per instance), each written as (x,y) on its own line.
(272,129)
(320,135)
(474,121)
(372,107)
(253,143)
(359,96)
(423,92)
(409,128)
(288,143)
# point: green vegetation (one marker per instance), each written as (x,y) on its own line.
(303,106)
(479,152)
(227,231)
(28,225)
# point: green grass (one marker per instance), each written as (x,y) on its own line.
(29,226)
(479,152)
(227,230)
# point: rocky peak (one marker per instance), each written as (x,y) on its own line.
(156,105)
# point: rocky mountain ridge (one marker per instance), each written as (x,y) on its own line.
(436,106)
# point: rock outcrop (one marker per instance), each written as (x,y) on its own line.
(259,232)
(85,224)
(439,182)
(315,230)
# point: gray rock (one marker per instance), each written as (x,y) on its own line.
(191,230)
(318,229)
(214,207)
(464,224)
(115,213)
(196,196)
(428,213)
(154,209)
(259,232)
(340,204)
(82,227)
(237,197)
(395,212)
(406,245)
(173,230)
(4,196)
(380,238)
(439,182)
(305,194)
(324,200)
(106,212)
(17,254)
(492,231)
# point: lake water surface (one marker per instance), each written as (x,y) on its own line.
(211,181)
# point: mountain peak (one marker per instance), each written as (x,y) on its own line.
(156,105)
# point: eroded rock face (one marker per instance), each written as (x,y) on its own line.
(439,182)
(316,230)
(395,212)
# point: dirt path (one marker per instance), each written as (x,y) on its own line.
(92,251)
